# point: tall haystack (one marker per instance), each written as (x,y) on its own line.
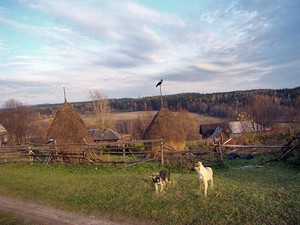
(165,125)
(68,128)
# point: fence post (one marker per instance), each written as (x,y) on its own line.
(220,152)
(162,152)
(30,154)
(124,155)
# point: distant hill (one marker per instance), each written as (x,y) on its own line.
(280,104)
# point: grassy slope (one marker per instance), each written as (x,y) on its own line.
(268,195)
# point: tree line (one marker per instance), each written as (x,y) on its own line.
(264,105)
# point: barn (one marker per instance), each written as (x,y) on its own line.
(105,135)
(206,130)
(226,130)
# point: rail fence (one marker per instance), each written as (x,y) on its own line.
(126,153)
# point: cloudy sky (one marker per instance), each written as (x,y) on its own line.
(123,48)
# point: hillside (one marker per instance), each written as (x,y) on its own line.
(278,104)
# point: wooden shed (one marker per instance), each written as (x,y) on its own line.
(105,135)
(206,130)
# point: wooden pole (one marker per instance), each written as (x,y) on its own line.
(220,152)
(65,96)
(161,99)
(124,155)
(218,149)
(162,152)
(30,153)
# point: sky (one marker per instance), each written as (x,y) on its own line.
(122,48)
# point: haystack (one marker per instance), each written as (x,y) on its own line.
(165,125)
(68,128)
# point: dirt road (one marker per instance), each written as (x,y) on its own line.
(41,214)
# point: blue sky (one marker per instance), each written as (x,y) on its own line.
(123,48)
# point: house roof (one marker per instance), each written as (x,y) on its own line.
(206,130)
(238,127)
(235,127)
(104,135)
(216,132)
(3,130)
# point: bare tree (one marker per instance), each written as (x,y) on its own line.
(263,110)
(141,124)
(17,119)
(102,110)
(12,103)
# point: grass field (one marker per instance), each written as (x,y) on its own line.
(268,195)
(130,116)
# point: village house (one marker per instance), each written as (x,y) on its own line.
(226,130)
(105,135)
(206,130)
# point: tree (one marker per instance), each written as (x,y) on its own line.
(102,110)
(263,109)
(12,103)
(17,119)
(244,116)
(141,124)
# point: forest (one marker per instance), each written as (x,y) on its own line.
(263,105)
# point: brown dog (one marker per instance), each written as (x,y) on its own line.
(161,179)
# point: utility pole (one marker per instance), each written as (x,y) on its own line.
(65,96)
(161,99)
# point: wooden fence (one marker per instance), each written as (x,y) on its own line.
(113,153)
(126,153)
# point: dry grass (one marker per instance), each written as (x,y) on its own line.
(132,115)
(203,119)
(166,125)
(129,116)
(68,127)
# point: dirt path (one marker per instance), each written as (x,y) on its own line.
(41,214)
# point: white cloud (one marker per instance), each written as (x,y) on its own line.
(124,46)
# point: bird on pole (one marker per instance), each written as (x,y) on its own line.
(159,84)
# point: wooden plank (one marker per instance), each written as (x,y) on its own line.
(251,146)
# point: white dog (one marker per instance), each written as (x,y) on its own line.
(160,179)
(205,175)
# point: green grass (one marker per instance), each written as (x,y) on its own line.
(11,219)
(268,195)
